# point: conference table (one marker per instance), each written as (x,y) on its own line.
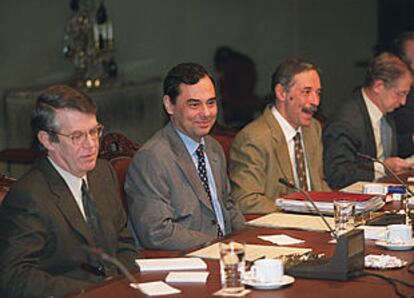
(319,241)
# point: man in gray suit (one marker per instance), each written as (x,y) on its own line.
(177,188)
(67,203)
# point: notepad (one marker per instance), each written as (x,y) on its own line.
(170,264)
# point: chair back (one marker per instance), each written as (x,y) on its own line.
(5,184)
(118,150)
(225,137)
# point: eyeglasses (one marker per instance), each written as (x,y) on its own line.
(78,137)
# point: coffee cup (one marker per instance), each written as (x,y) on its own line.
(267,270)
(398,234)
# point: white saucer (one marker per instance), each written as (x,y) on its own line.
(395,246)
(250,281)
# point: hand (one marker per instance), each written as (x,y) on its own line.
(398,165)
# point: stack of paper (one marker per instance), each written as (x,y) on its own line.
(297,202)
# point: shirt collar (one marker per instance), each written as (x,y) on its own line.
(288,130)
(374,112)
(69,178)
(189,143)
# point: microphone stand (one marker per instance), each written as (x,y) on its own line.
(104,256)
(289,184)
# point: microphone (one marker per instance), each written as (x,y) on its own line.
(347,260)
(105,257)
(387,168)
(289,184)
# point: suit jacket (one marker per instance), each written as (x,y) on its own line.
(351,131)
(43,233)
(168,206)
(404,123)
(259,157)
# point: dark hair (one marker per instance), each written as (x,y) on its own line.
(285,72)
(399,44)
(386,67)
(54,98)
(186,73)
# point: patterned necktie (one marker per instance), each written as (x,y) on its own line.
(386,137)
(202,172)
(92,219)
(300,163)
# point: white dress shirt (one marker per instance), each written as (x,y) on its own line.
(289,132)
(375,116)
(74,183)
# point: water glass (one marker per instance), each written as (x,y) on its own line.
(232,266)
(344,214)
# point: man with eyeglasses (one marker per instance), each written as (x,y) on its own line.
(362,125)
(66,206)
(285,141)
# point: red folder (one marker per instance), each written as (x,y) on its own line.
(329,196)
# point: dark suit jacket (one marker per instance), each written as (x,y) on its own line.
(404,123)
(42,232)
(350,132)
(259,157)
(168,206)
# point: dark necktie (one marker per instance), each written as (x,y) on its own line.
(386,136)
(300,162)
(92,219)
(202,172)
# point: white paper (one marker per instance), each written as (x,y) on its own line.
(253,251)
(281,239)
(358,187)
(156,288)
(292,221)
(373,232)
(170,264)
(196,277)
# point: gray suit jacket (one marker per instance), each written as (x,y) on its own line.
(351,131)
(168,206)
(259,157)
(42,233)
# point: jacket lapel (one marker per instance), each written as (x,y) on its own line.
(185,163)
(281,152)
(65,200)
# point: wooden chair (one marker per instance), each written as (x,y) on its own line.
(118,150)
(5,184)
(225,136)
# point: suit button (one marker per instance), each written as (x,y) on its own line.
(213,222)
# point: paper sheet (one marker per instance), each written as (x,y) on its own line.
(187,277)
(292,221)
(156,288)
(281,239)
(253,252)
(170,264)
(373,232)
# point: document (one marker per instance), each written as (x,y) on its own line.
(170,264)
(292,221)
(358,187)
(253,252)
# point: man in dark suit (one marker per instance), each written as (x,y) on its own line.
(67,203)
(362,125)
(177,187)
(404,116)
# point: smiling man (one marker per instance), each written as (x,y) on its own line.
(177,188)
(68,202)
(362,125)
(284,142)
